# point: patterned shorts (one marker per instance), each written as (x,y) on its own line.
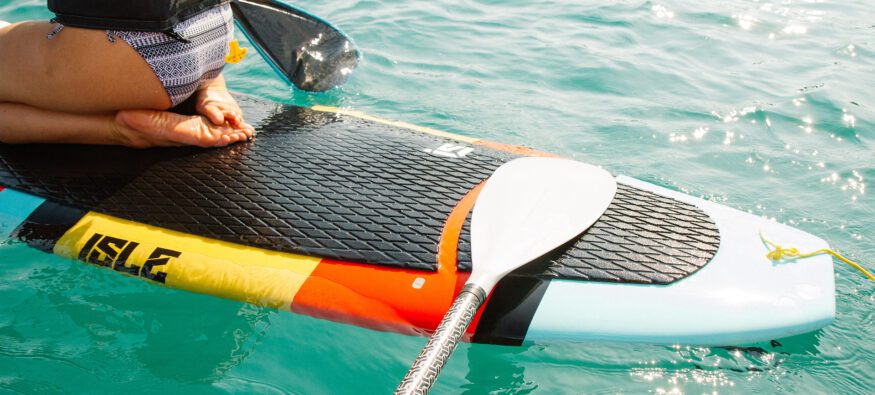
(184,67)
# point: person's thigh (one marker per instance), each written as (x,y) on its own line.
(78,71)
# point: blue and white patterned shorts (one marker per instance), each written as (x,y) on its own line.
(185,67)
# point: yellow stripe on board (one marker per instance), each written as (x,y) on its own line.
(187,262)
(405,125)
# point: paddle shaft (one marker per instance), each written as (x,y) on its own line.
(434,356)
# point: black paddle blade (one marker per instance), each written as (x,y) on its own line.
(307,51)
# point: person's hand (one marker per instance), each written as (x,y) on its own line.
(150,128)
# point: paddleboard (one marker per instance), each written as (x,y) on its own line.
(357,219)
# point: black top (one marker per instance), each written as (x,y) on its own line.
(138,15)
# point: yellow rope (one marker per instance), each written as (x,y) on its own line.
(778,253)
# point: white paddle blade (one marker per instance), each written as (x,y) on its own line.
(531,206)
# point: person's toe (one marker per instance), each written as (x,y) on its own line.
(223,141)
(247,129)
(233,118)
(215,115)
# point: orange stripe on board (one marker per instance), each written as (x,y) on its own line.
(390,299)
(448,247)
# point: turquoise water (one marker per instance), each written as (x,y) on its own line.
(763,106)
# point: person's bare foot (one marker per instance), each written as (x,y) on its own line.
(149,128)
(217,104)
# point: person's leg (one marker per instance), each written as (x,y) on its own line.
(20,123)
(69,90)
(78,71)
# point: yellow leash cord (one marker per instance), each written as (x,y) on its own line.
(777,253)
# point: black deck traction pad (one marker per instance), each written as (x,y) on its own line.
(642,237)
(339,187)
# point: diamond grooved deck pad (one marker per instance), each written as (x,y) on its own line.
(344,188)
(642,237)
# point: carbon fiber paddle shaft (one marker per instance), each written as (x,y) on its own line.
(440,346)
